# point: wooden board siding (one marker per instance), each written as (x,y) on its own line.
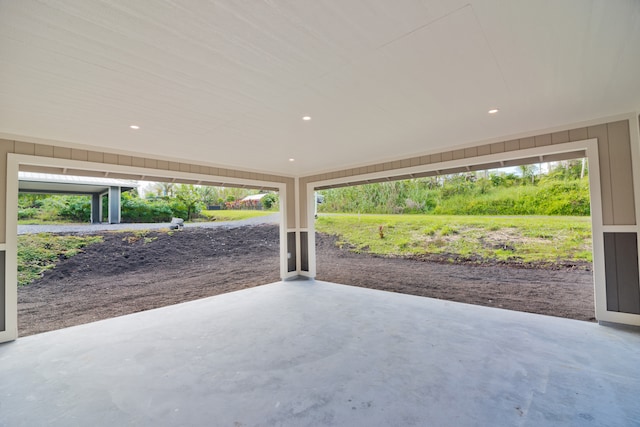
(291,251)
(621,271)
(304,251)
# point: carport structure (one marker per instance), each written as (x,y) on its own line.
(96,187)
(305,95)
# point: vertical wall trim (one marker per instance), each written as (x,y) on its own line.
(597,238)
(284,199)
(11,253)
(311,228)
(601,134)
(298,254)
(3,286)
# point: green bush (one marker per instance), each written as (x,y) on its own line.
(270,201)
(138,210)
(178,208)
(76,209)
(27,213)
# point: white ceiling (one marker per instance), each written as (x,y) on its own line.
(227,82)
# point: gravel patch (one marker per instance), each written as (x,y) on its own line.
(95,228)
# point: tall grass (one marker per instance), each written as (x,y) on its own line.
(459,196)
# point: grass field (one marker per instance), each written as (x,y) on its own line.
(536,239)
(233,215)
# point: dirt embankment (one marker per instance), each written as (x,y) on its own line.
(131,272)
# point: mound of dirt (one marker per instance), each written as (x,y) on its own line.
(132,272)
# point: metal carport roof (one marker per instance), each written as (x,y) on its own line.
(31,182)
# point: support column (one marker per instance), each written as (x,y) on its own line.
(114,205)
(299,238)
(8,244)
(295,239)
(95,209)
(288,238)
(307,242)
(101,216)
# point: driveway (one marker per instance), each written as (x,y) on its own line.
(92,228)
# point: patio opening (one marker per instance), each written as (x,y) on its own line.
(174,242)
(516,237)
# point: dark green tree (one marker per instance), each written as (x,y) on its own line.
(189,197)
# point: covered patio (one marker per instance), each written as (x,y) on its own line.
(299,96)
(305,353)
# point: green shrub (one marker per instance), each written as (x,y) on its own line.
(138,210)
(27,213)
(76,209)
(270,201)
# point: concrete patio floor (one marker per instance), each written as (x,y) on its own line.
(309,353)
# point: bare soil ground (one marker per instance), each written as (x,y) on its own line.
(130,273)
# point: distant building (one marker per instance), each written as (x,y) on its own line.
(257,197)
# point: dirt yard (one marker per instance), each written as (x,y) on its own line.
(130,273)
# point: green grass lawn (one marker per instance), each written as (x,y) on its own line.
(233,215)
(536,239)
(40,252)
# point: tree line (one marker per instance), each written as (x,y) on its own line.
(162,202)
(561,190)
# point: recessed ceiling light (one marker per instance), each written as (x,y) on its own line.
(306,118)
(135,127)
(493,111)
(292,159)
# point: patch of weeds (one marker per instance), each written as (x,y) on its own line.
(38,253)
(404,244)
(447,230)
(539,234)
(583,255)
(143,235)
(439,242)
(430,231)
(503,254)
